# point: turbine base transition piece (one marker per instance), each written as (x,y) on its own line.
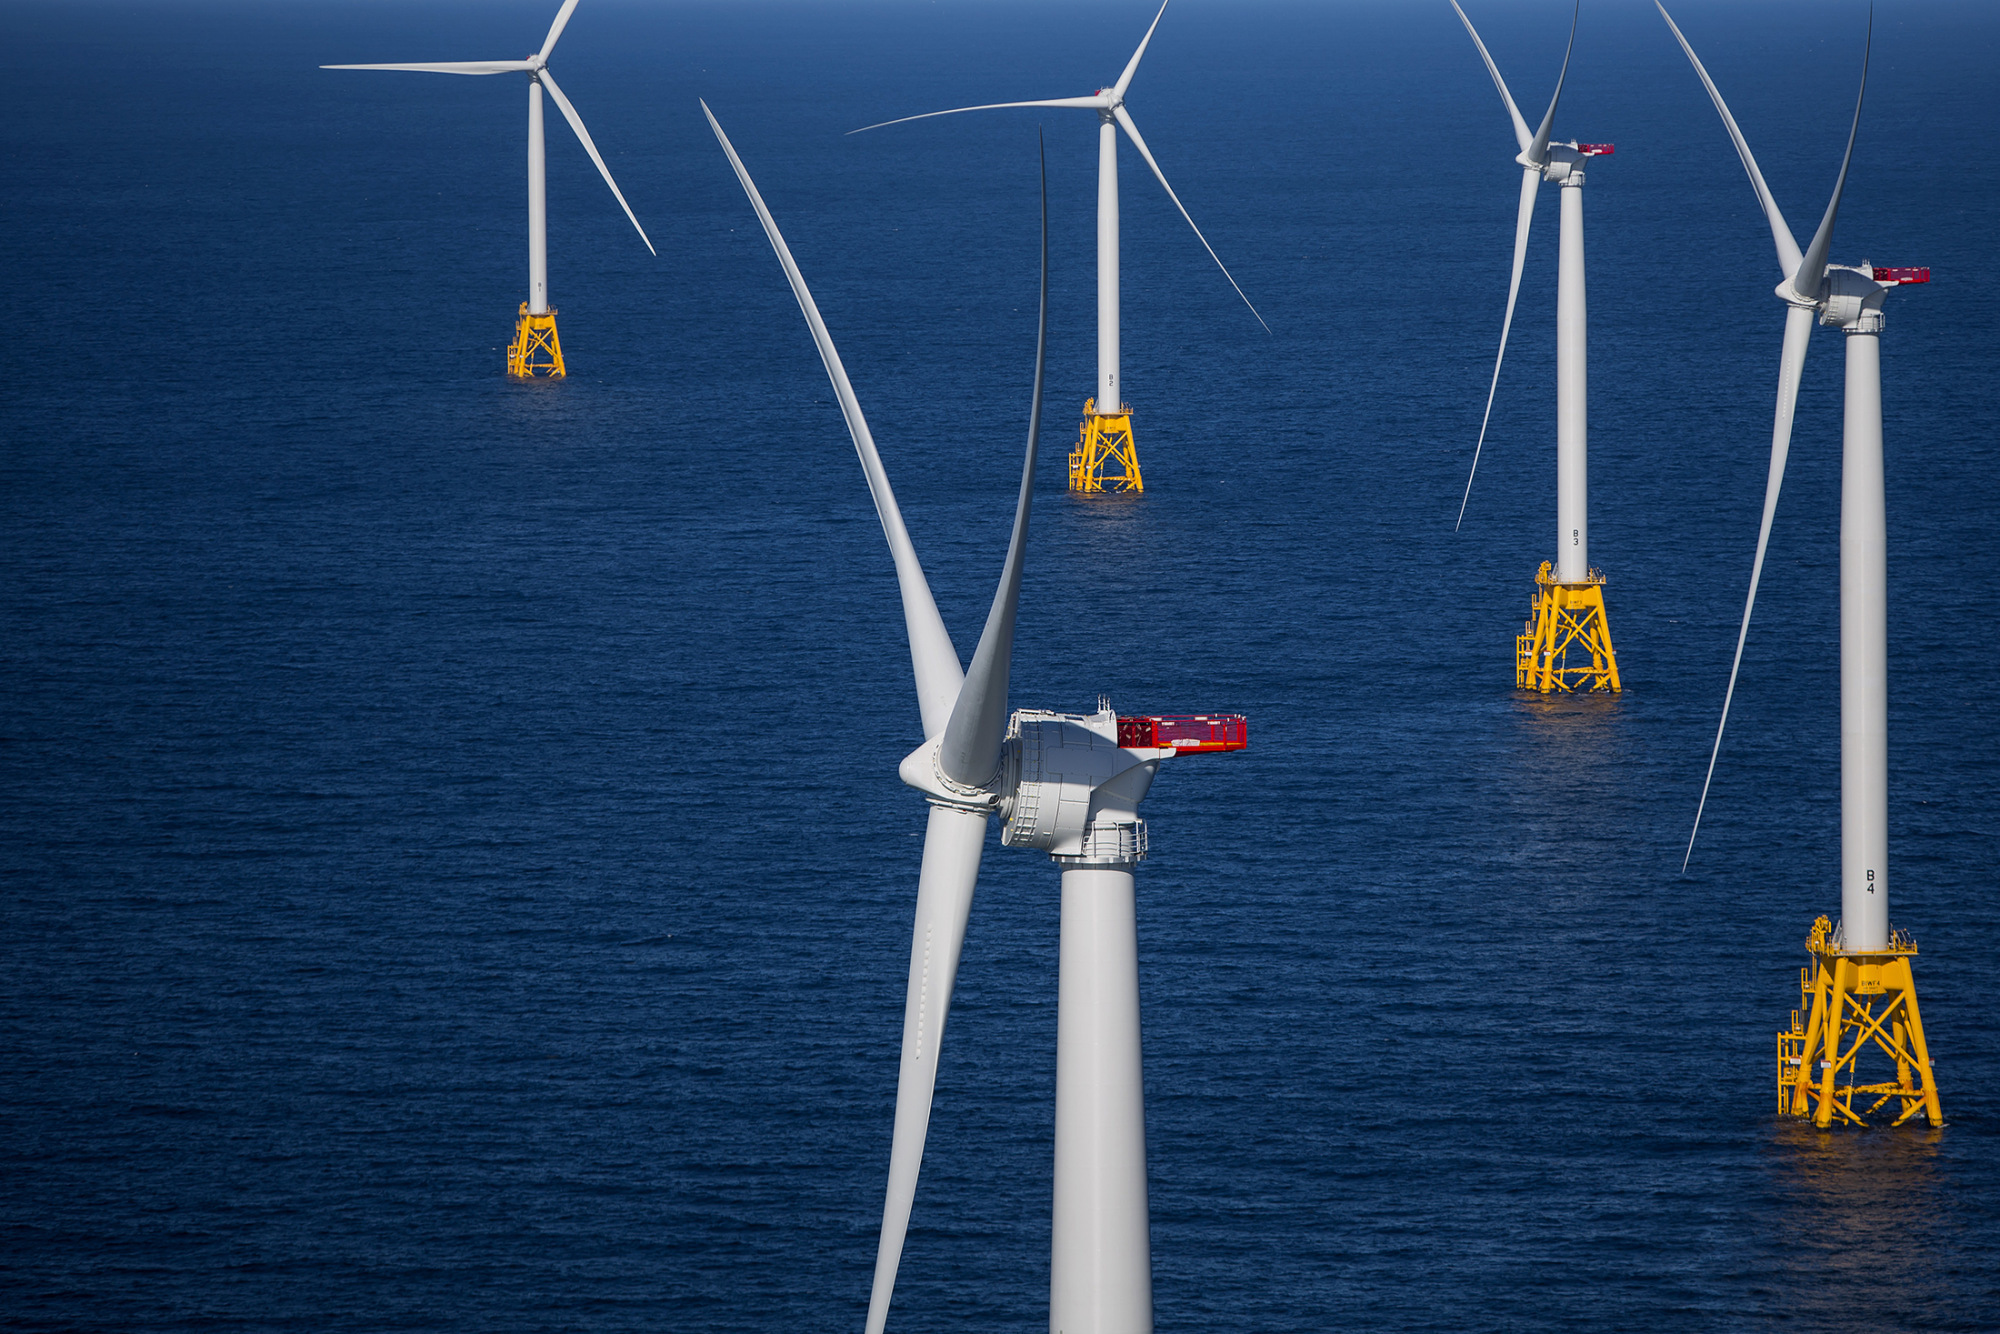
(536,350)
(1105,458)
(1565,618)
(1837,1023)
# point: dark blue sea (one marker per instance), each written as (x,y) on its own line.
(453,874)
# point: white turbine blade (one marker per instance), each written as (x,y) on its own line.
(952,844)
(1132,133)
(1781,235)
(452,67)
(1520,125)
(576,123)
(1806,282)
(970,752)
(933,660)
(1538,150)
(556,28)
(1798,333)
(1093,101)
(1132,65)
(1531,181)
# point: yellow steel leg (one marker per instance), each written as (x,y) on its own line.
(536,350)
(1822,982)
(1104,458)
(1830,1064)
(1565,617)
(1548,620)
(1845,1026)
(1551,633)
(1919,1052)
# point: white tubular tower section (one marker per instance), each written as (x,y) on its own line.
(1572,393)
(1101,1269)
(1864,648)
(538,206)
(1108,390)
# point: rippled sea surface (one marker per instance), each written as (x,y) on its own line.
(452,869)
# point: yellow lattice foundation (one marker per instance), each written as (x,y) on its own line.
(535,350)
(1104,458)
(1837,1025)
(1565,619)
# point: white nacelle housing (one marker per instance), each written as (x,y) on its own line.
(1065,786)
(1563,161)
(1853,299)
(1070,789)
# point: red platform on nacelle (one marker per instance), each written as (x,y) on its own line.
(1189,733)
(1899,276)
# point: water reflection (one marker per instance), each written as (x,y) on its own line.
(1112,516)
(1569,759)
(1111,541)
(1862,1234)
(1562,718)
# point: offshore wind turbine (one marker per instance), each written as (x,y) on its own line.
(536,349)
(1861,958)
(1070,785)
(1105,458)
(1568,607)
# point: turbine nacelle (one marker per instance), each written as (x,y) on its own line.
(1072,790)
(1564,162)
(1851,298)
(1850,295)
(1071,783)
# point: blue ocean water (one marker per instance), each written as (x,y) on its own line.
(454,871)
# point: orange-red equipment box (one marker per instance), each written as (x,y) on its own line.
(1190,734)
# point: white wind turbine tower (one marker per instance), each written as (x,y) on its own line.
(1069,784)
(1862,958)
(536,349)
(1569,599)
(1105,457)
